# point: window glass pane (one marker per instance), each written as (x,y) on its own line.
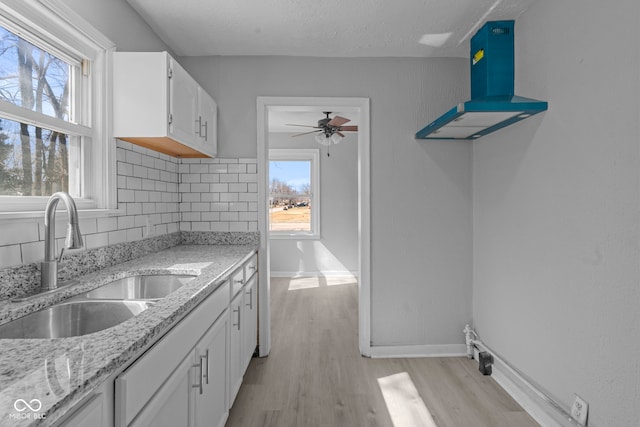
(290,195)
(33,161)
(33,78)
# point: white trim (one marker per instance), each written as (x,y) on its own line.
(57,24)
(526,397)
(533,399)
(360,105)
(439,350)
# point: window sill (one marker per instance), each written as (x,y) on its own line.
(39,215)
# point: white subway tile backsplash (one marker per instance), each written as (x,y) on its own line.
(247,177)
(98,240)
(200,226)
(228,216)
(229,177)
(107,224)
(238,188)
(220,226)
(10,256)
(200,188)
(238,226)
(228,197)
(33,252)
(219,188)
(199,168)
(119,236)
(157,194)
(237,168)
(218,168)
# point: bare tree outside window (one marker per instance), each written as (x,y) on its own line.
(290,196)
(34,161)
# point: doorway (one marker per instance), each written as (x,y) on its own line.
(359,106)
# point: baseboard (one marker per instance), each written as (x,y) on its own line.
(546,412)
(337,273)
(442,350)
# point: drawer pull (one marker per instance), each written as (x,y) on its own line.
(250,293)
(237,324)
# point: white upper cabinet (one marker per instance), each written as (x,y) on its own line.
(208,122)
(158,105)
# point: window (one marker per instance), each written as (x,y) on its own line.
(294,193)
(53,129)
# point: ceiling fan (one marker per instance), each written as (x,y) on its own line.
(329,130)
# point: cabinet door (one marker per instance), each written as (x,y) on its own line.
(208,121)
(212,352)
(183,106)
(91,413)
(235,347)
(250,322)
(173,403)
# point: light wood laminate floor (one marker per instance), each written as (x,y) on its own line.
(315,375)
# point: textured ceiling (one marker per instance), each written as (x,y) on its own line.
(328,28)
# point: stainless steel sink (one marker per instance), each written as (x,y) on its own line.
(70,319)
(144,287)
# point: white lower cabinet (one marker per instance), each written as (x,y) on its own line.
(243,333)
(190,377)
(92,413)
(212,408)
(182,379)
(235,347)
(250,319)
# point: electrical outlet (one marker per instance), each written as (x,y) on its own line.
(579,410)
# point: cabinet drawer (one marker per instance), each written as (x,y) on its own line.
(137,385)
(237,281)
(250,267)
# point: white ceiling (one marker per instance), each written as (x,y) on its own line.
(327,28)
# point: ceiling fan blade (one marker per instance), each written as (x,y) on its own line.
(305,133)
(353,128)
(340,133)
(305,126)
(338,121)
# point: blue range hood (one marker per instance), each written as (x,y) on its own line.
(493,104)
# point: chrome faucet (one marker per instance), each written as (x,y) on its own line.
(49,274)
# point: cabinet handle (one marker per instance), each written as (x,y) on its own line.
(237,324)
(199,127)
(241,281)
(206,133)
(250,305)
(199,365)
(206,374)
(252,267)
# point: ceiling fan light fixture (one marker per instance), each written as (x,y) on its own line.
(335,138)
(323,139)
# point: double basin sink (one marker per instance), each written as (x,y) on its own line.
(95,310)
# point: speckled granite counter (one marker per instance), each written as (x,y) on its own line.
(61,372)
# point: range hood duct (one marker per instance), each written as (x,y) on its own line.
(493,104)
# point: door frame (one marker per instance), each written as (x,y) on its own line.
(264,104)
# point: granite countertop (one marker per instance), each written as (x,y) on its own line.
(61,372)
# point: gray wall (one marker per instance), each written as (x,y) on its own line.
(337,249)
(556,244)
(420,191)
(117,20)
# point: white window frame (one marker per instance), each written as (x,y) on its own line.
(313,156)
(57,26)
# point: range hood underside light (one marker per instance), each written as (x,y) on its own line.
(473,119)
